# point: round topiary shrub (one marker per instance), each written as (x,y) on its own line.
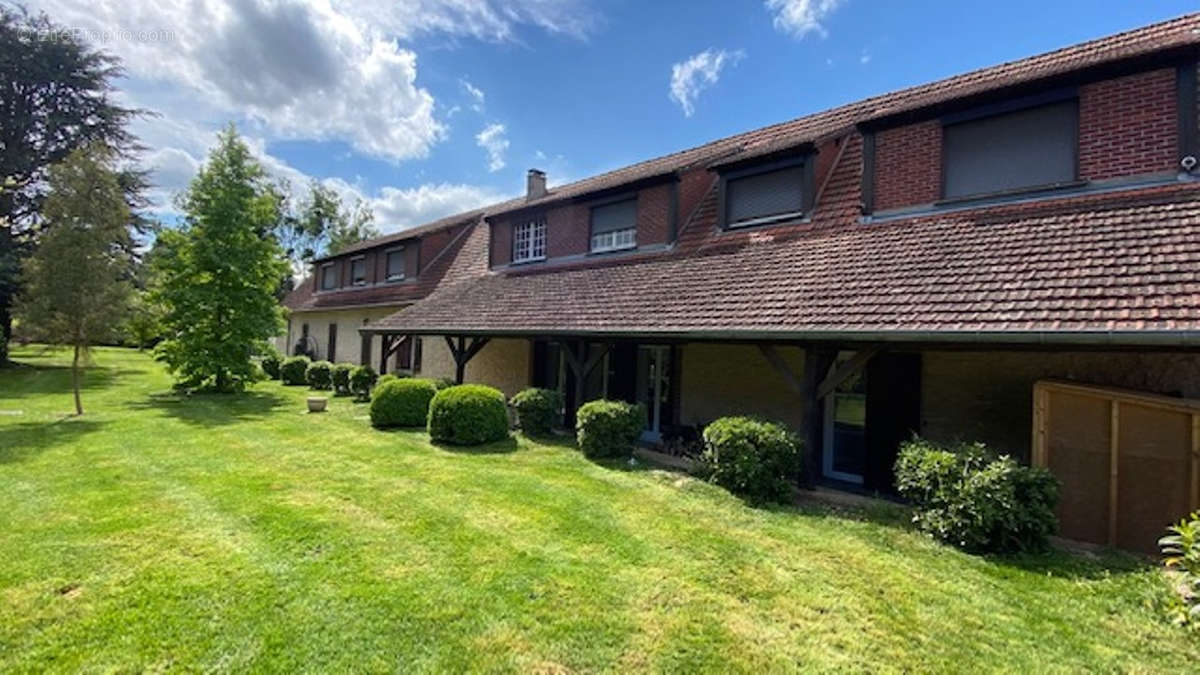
(609,428)
(754,458)
(468,414)
(976,499)
(294,370)
(444,383)
(401,403)
(537,410)
(271,363)
(362,379)
(341,378)
(385,378)
(319,375)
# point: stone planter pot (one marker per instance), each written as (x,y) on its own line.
(317,404)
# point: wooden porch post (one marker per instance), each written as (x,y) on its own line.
(580,368)
(462,353)
(385,348)
(816,365)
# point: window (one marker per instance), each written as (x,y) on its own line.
(614,226)
(328,276)
(395,264)
(1029,148)
(771,194)
(358,271)
(529,241)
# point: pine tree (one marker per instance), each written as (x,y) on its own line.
(76,284)
(217,273)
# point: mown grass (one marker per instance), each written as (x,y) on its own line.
(239,533)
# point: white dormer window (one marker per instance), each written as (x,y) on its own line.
(614,226)
(358,271)
(328,277)
(395,264)
(529,241)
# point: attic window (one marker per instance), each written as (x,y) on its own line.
(614,226)
(395,264)
(1030,148)
(328,277)
(763,194)
(529,241)
(358,271)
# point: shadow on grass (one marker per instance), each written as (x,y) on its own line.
(24,379)
(503,447)
(22,441)
(1073,564)
(213,410)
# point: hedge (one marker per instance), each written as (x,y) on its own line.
(362,378)
(401,403)
(609,428)
(341,378)
(754,458)
(271,363)
(973,498)
(538,410)
(294,370)
(319,375)
(468,414)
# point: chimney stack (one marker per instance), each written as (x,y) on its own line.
(535,184)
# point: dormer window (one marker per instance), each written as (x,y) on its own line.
(395,264)
(766,193)
(529,241)
(614,226)
(1012,147)
(328,277)
(358,271)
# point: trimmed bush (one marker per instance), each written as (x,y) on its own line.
(444,383)
(756,459)
(538,410)
(468,414)
(385,378)
(362,378)
(401,403)
(969,496)
(271,364)
(319,375)
(294,370)
(341,378)
(609,428)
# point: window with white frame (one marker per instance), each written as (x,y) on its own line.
(614,226)
(358,271)
(395,264)
(752,197)
(529,241)
(328,277)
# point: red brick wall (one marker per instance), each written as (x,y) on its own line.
(568,227)
(1128,126)
(908,165)
(693,185)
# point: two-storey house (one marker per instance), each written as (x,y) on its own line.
(914,263)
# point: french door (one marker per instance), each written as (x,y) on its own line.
(653,387)
(845,456)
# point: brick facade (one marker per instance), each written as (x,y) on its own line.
(1128,126)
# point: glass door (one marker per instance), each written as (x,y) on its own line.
(845,456)
(653,373)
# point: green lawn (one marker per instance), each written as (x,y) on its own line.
(234,533)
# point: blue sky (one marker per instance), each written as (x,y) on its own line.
(423,108)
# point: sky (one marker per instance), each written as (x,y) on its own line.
(425,108)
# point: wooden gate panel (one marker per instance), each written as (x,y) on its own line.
(1154,470)
(1079,435)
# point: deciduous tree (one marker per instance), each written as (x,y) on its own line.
(76,284)
(217,273)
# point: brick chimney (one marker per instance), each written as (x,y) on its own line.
(535,184)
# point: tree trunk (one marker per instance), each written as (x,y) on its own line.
(75,381)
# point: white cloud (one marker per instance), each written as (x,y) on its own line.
(397,208)
(317,69)
(690,77)
(476,94)
(492,139)
(864,57)
(798,18)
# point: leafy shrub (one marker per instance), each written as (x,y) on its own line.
(362,378)
(1181,549)
(444,383)
(319,375)
(537,410)
(468,414)
(609,428)
(971,497)
(401,403)
(385,378)
(294,370)
(754,458)
(341,378)
(271,364)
